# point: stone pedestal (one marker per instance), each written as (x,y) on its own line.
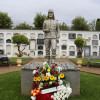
(69,69)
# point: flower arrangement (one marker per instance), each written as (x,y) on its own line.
(46,78)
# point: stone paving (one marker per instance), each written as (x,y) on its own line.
(7,69)
(92,70)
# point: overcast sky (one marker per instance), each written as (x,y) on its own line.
(65,10)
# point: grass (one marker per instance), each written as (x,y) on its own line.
(10,87)
(13,59)
(85,61)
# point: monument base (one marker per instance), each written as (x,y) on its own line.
(69,69)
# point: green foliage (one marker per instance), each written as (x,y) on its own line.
(63,26)
(5,21)
(92,25)
(98,24)
(20,39)
(80,42)
(23,26)
(38,20)
(79,23)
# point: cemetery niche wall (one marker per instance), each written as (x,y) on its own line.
(64,49)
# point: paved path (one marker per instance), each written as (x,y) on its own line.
(15,68)
(7,69)
(92,70)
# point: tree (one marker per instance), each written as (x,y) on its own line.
(63,26)
(5,21)
(23,26)
(93,25)
(80,43)
(38,20)
(98,24)
(79,23)
(20,39)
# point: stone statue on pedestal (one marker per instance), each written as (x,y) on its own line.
(51,36)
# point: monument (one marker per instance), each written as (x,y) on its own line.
(51,32)
(51,36)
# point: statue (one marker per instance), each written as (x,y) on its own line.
(51,36)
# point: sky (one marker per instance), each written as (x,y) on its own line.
(65,10)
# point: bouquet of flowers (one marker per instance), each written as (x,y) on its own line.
(46,80)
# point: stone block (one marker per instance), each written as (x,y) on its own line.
(69,69)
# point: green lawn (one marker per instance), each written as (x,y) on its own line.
(13,59)
(10,87)
(85,61)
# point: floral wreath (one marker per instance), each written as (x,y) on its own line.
(48,83)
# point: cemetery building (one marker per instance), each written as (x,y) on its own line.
(65,48)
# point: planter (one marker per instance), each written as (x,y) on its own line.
(19,61)
(79,62)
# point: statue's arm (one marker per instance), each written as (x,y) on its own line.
(58,31)
(44,27)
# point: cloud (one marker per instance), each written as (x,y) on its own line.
(65,10)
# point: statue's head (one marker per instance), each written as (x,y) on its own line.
(51,14)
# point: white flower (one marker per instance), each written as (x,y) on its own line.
(52,96)
(59,68)
(44,63)
(33,98)
(40,87)
(69,91)
(34,71)
(60,82)
(58,93)
(48,74)
(44,67)
(55,94)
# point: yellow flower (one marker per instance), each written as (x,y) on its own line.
(46,78)
(39,79)
(61,75)
(55,78)
(42,76)
(41,84)
(51,77)
(50,82)
(35,79)
(48,70)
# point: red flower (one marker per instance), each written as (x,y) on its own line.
(45,85)
(53,66)
(35,75)
(43,72)
(37,68)
(56,64)
(37,72)
(56,83)
(44,97)
(52,72)
(56,72)
(34,83)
